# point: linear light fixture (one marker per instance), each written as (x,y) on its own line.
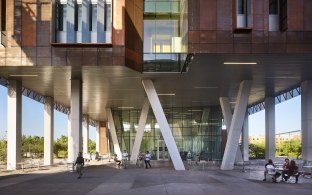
(194,110)
(23,75)
(233,63)
(168,94)
(204,87)
(125,107)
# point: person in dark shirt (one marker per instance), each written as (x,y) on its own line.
(79,164)
(292,170)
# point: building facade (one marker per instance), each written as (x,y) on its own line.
(193,61)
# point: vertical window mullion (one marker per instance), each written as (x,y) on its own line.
(76,17)
(90,17)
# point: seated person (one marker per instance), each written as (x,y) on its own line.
(292,170)
(118,162)
(285,167)
(270,169)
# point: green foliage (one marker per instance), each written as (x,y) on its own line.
(3,150)
(92,146)
(257,151)
(32,145)
(61,146)
(291,148)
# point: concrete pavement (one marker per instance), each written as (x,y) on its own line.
(105,178)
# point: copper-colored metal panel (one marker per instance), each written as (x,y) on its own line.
(295,15)
(118,27)
(208,14)
(257,37)
(242,48)
(29,18)
(224,15)
(193,14)
(103,138)
(277,48)
(299,48)
(307,11)
(208,48)
(194,48)
(193,36)
(259,48)
(208,36)
(225,48)
(224,37)
(277,37)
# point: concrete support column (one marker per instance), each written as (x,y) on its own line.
(140,132)
(48,130)
(306,120)
(14,131)
(113,132)
(85,134)
(270,128)
(245,138)
(227,114)
(75,134)
(236,126)
(97,137)
(163,124)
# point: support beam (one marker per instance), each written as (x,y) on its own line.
(270,128)
(97,137)
(113,132)
(227,114)
(48,130)
(306,120)
(85,135)
(140,132)
(163,124)
(245,138)
(75,134)
(236,126)
(14,125)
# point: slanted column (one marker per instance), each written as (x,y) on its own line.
(163,124)
(140,132)
(270,128)
(245,138)
(227,114)
(97,137)
(75,134)
(85,134)
(113,132)
(306,120)
(236,126)
(48,130)
(14,125)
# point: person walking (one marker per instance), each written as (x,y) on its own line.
(79,165)
(148,160)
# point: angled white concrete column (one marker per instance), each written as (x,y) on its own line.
(48,130)
(140,132)
(270,128)
(227,114)
(97,137)
(75,134)
(14,125)
(306,120)
(113,132)
(245,138)
(163,124)
(236,126)
(85,134)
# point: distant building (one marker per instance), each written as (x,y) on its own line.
(279,137)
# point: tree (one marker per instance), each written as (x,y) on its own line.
(61,146)
(3,150)
(92,146)
(257,151)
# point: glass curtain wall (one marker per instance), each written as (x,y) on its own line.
(197,130)
(165,35)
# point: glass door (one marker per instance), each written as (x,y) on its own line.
(162,151)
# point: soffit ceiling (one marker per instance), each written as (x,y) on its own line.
(207,80)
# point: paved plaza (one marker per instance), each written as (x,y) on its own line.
(106,178)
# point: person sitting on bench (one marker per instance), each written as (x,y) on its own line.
(291,171)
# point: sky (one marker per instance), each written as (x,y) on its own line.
(32,118)
(287,118)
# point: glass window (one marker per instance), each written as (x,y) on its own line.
(273,7)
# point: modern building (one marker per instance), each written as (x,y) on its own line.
(156,75)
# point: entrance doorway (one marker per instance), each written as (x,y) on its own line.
(162,151)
